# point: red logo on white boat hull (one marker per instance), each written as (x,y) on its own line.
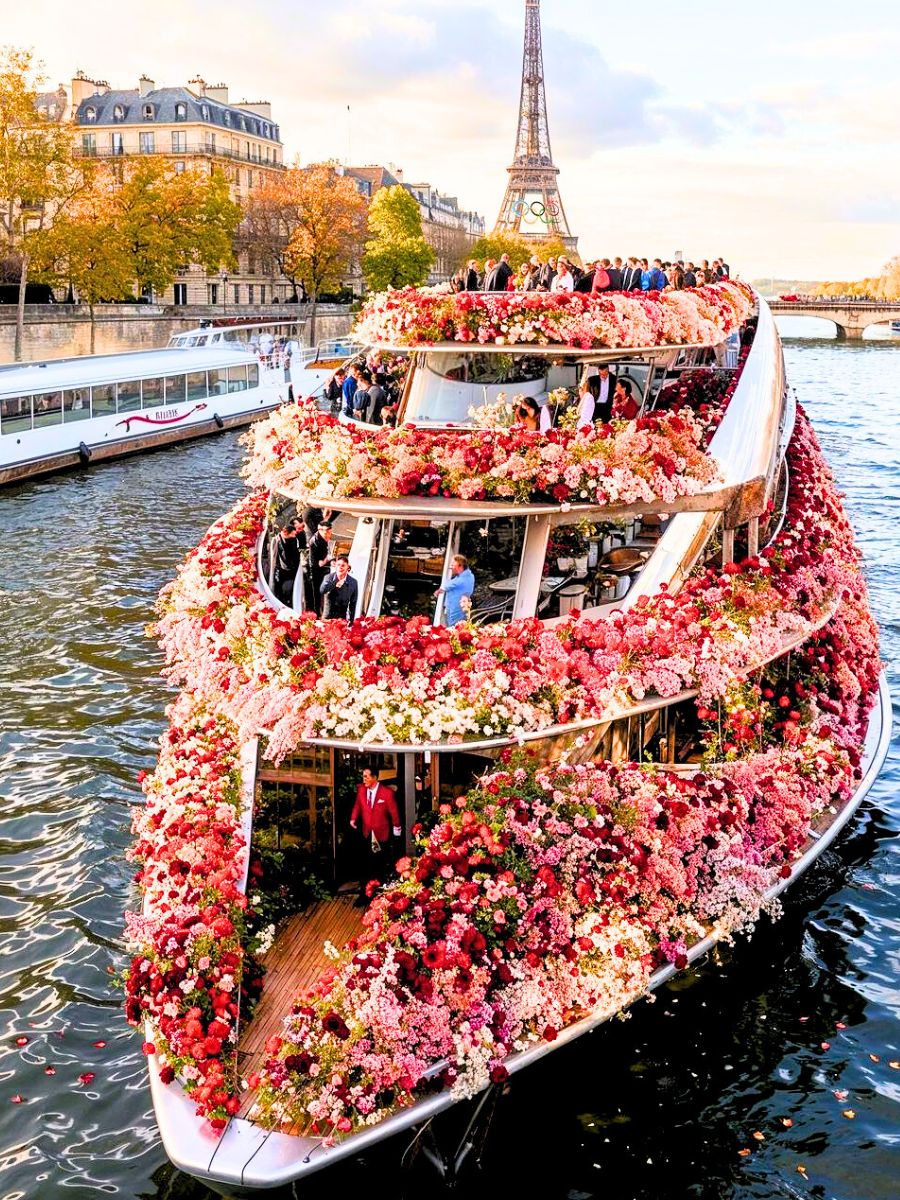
(160,420)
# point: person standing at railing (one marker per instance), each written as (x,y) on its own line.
(457,591)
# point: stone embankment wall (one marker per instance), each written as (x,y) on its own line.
(63,330)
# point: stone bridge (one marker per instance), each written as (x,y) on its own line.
(850,317)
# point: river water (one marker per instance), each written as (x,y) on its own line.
(659,1107)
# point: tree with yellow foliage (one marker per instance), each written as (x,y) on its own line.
(37,174)
(327,216)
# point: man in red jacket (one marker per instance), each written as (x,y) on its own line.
(375,815)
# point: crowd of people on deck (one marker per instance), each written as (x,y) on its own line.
(367,389)
(563,274)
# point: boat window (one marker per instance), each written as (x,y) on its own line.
(77,405)
(216,382)
(15,414)
(129,395)
(104,399)
(415,567)
(175,389)
(196,385)
(237,379)
(47,408)
(445,387)
(253,375)
(152,393)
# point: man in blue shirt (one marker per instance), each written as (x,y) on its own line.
(348,390)
(457,591)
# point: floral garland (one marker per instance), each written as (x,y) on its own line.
(385,679)
(654,458)
(414,317)
(192,939)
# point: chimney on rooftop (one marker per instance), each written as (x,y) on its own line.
(82,87)
(146,85)
(218,91)
(198,86)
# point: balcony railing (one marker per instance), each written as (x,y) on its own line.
(192,150)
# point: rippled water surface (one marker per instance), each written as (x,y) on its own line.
(658,1107)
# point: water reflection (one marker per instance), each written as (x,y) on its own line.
(660,1106)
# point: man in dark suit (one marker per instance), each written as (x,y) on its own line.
(548,274)
(319,552)
(631,276)
(500,276)
(603,397)
(615,275)
(339,592)
(472,280)
(287,562)
(377,820)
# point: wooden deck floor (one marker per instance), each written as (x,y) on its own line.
(295,962)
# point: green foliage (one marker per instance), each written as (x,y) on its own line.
(397,254)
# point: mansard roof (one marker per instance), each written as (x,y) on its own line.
(198,109)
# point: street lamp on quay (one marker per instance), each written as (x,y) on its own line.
(224,278)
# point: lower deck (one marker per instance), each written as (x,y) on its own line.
(294,963)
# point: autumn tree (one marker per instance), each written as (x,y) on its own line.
(168,219)
(37,176)
(86,246)
(397,254)
(269,221)
(328,225)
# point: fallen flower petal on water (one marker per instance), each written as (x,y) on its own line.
(787,1122)
(49,1070)
(841,1094)
(99,1045)
(22,1041)
(86,1077)
(826,1045)
(848,1113)
(17,1099)
(743,1153)
(760,1137)
(875,1057)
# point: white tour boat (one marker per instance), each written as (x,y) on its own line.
(74,411)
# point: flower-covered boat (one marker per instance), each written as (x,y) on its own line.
(664,701)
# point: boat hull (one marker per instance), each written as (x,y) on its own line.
(95,450)
(249,1158)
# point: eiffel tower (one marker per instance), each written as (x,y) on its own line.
(532,206)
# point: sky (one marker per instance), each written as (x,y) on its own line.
(765,132)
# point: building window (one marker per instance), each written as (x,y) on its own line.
(148,112)
(213,293)
(117,143)
(212,142)
(249,180)
(180,111)
(146,143)
(204,111)
(180,293)
(89,144)
(90,114)
(249,293)
(179,141)
(243,124)
(262,293)
(227,117)
(118,112)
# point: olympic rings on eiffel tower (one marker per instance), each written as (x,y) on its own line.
(535,211)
